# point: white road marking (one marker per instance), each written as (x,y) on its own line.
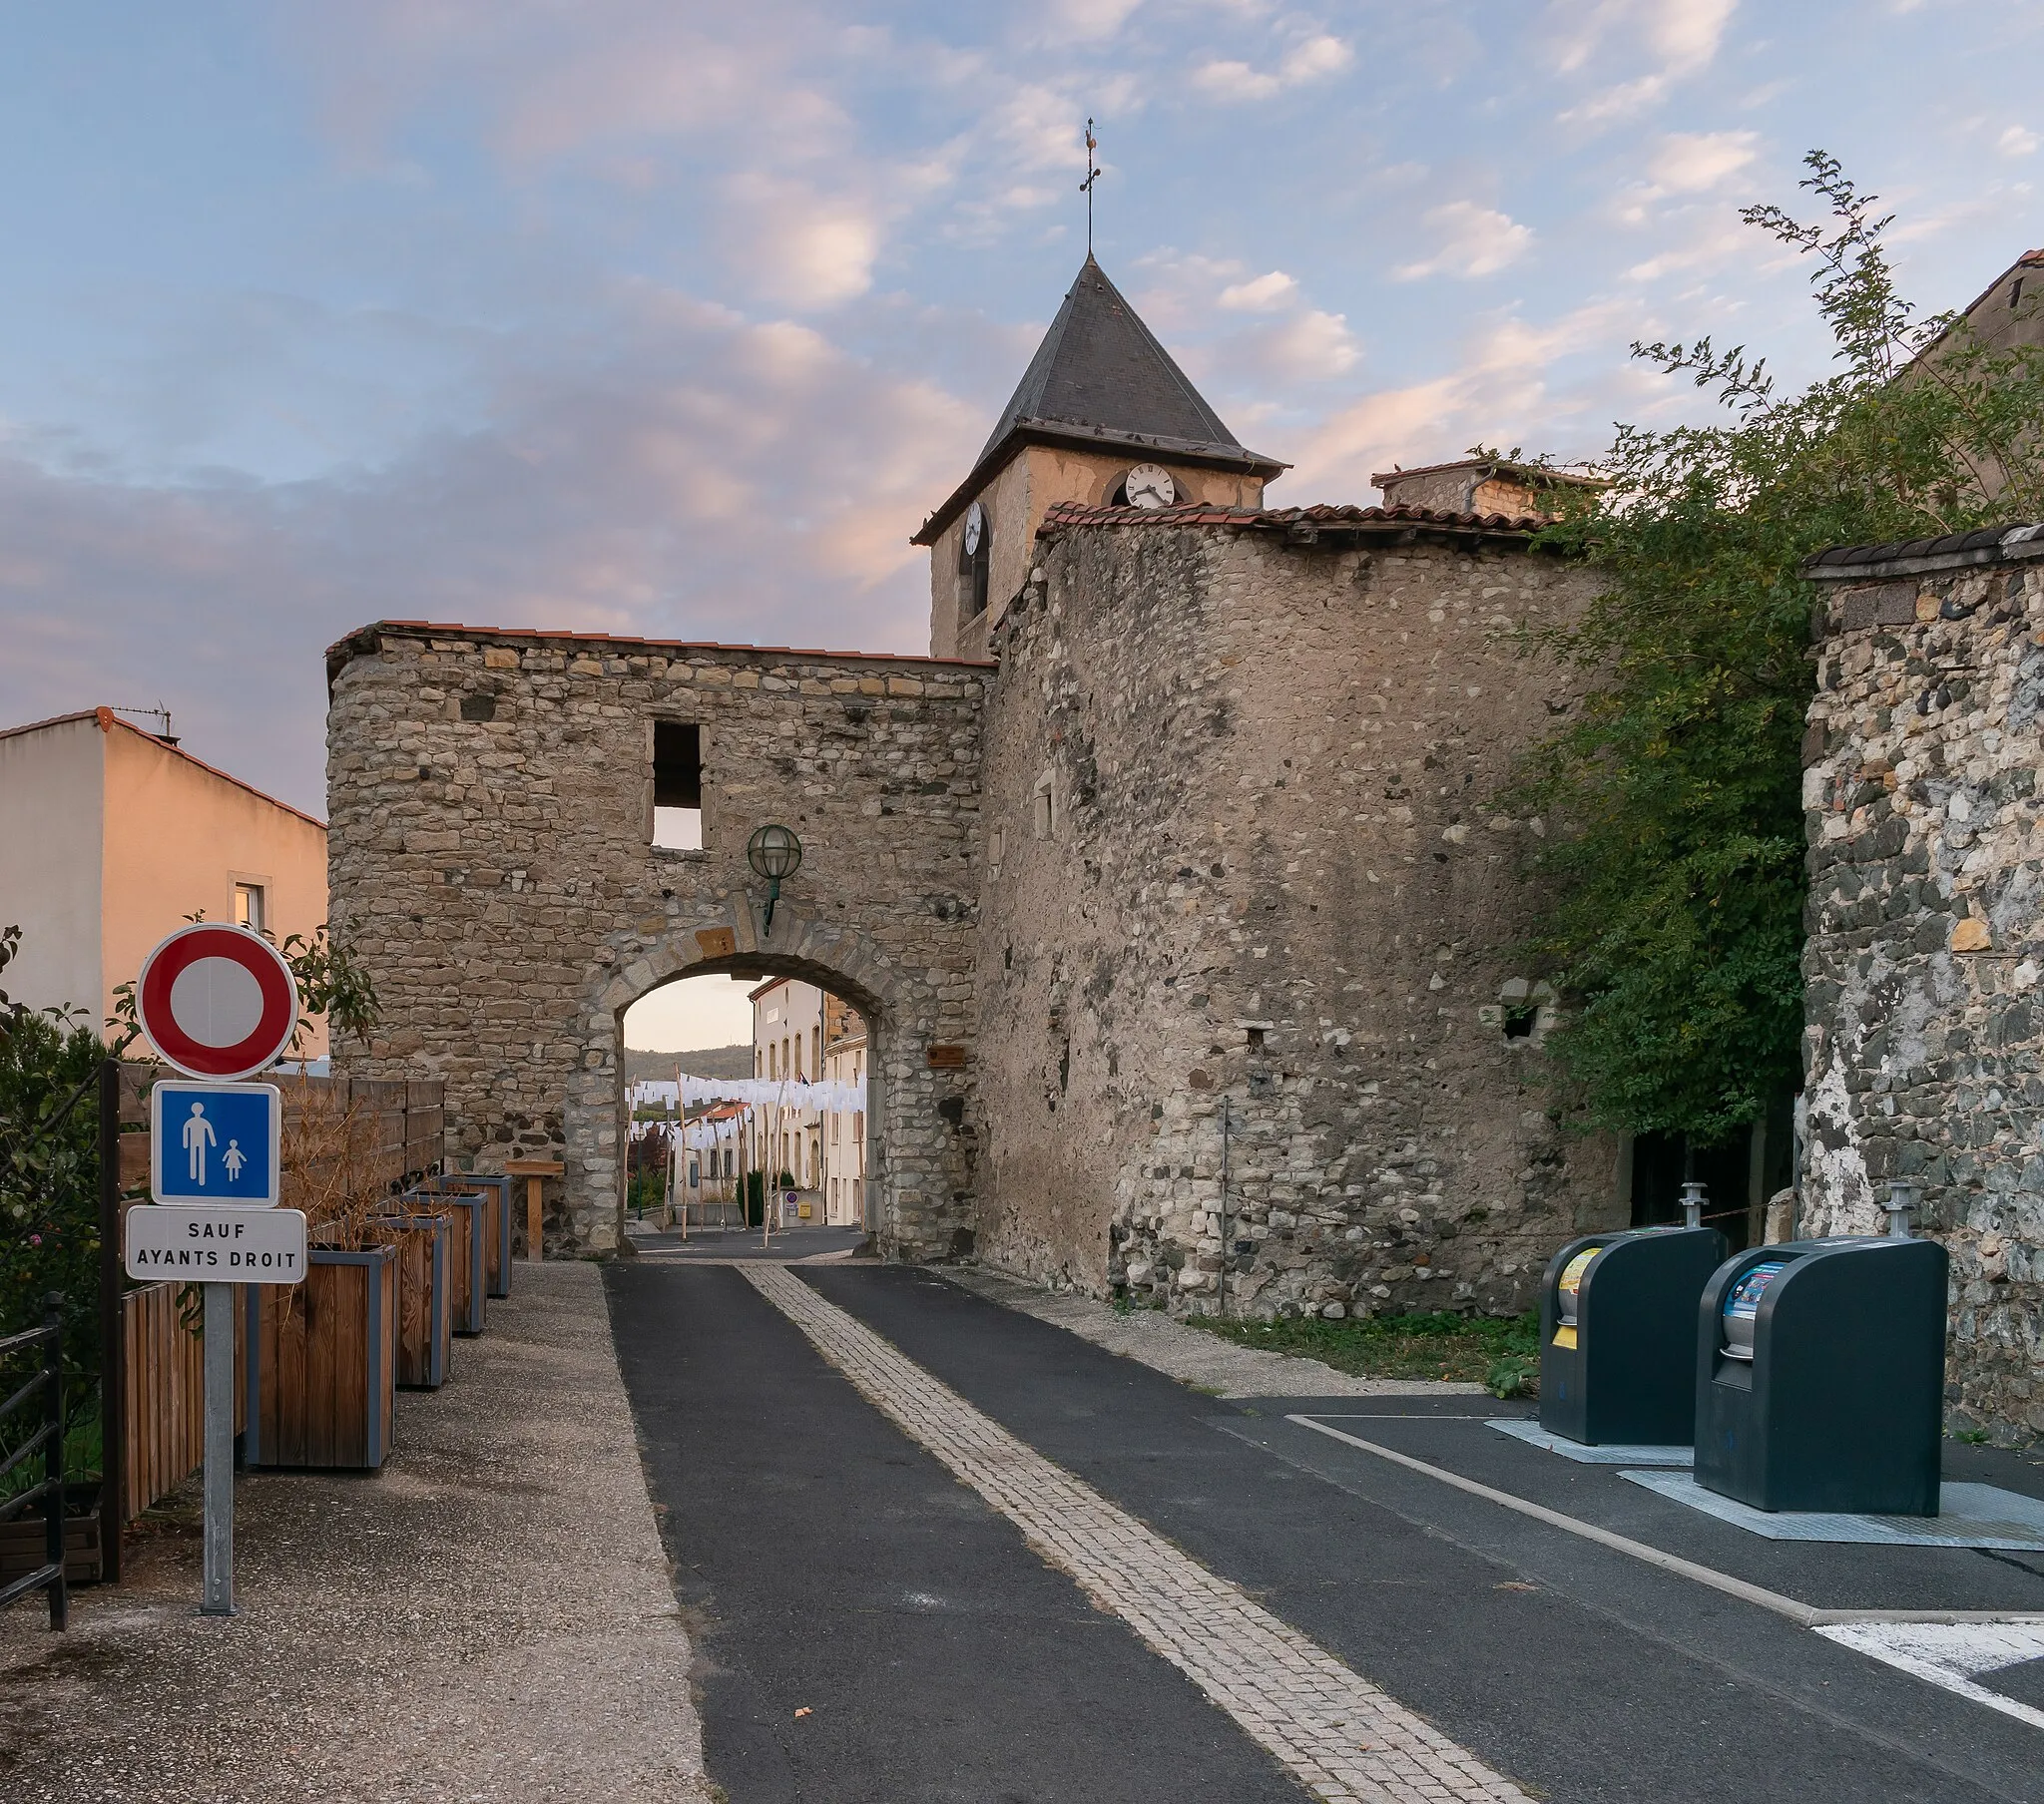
(1340,1737)
(1951,1655)
(1947,1647)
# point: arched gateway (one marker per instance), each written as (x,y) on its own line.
(492,797)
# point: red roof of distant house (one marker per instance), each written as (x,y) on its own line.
(1535,473)
(108,719)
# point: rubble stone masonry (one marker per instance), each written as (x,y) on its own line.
(1240,850)
(491,802)
(1925,941)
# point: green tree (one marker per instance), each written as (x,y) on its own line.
(49,1186)
(1674,857)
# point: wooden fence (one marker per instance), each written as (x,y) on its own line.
(163,1436)
(397,1129)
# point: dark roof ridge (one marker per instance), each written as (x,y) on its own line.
(2014,544)
(345,646)
(1295,521)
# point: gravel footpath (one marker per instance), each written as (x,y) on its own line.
(489,1618)
(1191,1355)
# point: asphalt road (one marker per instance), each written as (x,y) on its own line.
(830,1565)
(806,1529)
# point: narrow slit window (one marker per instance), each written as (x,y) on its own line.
(678,785)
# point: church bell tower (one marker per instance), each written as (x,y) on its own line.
(1102,416)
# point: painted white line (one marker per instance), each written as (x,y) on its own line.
(1804,1614)
(1950,1654)
(1339,1736)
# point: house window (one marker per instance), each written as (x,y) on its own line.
(249,909)
(817,1051)
(678,785)
(1046,809)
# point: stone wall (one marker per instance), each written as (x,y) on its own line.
(1926,862)
(491,805)
(1239,848)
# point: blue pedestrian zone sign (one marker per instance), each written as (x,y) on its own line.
(215,1142)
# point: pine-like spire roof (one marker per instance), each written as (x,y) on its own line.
(1101,378)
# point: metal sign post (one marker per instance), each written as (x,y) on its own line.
(220,1004)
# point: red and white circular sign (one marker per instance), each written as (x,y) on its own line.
(218,1002)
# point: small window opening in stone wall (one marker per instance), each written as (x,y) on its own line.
(1046,808)
(1523,1010)
(678,785)
(1255,1040)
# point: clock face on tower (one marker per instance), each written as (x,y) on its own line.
(1149,487)
(976,528)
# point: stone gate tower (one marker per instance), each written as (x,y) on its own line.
(1247,907)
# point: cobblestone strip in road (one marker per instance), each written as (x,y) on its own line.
(1336,1733)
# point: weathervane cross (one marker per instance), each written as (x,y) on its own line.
(1086,186)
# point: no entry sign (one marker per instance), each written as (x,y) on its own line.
(218,1002)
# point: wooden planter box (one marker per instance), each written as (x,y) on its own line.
(497,1222)
(322,1363)
(497,1217)
(425,1307)
(22,1544)
(470,1264)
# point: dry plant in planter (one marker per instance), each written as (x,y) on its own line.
(331,1169)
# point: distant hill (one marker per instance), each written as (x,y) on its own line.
(713,1061)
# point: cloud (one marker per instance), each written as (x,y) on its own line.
(1687,163)
(1313,60)
(1311,346)
(1261,294)
(679,472)
(1500,394)
(1676,38)
(797,246)
(2017,141)
(1473,240)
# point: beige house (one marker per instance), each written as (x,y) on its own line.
(844,1153)
(804,1034)
(111,836)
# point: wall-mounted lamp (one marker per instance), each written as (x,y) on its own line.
(775,853)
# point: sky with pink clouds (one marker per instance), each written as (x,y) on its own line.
(660,317)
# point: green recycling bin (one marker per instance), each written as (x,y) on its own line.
(1618,1335)
(1820,1376)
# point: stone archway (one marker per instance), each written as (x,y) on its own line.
(494,857)
(836,959)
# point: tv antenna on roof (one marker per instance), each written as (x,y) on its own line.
(161,712)
(1086,186)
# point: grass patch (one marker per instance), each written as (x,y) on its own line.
(1501,1354)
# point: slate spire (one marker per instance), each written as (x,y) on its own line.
(1100,375)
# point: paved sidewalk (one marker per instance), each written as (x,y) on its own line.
(1191,1355)
(491,1618)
